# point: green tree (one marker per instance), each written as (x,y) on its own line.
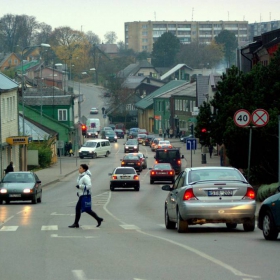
(229,43)
(258,89)
(165,50)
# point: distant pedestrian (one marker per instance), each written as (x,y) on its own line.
(66,149)
(170,132)
(167,132)
(210,150)
(70,151)
(10,168)
(221,154)
(160,132)
(84,182)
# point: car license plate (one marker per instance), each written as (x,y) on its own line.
(130,163)
(220,193)
(124,177)
(161,173)
(15,195)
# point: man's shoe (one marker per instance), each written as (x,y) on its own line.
(99,222)
(73,226)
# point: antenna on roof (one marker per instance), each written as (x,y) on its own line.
(192,13)
(155,14)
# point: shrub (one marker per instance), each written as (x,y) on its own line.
(266,191)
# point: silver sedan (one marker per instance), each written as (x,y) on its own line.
(203,195)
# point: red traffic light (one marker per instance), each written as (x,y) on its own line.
(203,130)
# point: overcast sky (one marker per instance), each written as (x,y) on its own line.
(101,16)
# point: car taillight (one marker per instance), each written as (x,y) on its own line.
(178,162)
(114,177)
(156,161)
(122,162)
(153,172)
(250,194)
(171,173)
(189,195)
(135,177)
(138,163)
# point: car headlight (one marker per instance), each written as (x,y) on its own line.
(115,137)
(27,191)
(107,137)
(135,147)
(126,147)
(3,191)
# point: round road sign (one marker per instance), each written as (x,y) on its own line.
(242,117)
(260,117)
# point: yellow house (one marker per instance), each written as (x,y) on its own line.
(9,60)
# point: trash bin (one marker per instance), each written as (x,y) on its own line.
(203,158)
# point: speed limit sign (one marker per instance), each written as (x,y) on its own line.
(242,117)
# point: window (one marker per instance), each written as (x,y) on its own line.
(62,115)
(144,33)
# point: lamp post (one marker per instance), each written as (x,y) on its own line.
(22,81)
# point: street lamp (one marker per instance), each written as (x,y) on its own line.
(22,80)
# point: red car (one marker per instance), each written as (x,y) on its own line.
(162,172)
(132,160)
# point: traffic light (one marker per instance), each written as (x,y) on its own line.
(203,135)
(191,129)
(84,129)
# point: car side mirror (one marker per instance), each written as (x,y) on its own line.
(138,173)
(278,189)
(110,174)
(182,156)
(154,156)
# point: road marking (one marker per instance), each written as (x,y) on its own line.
(60,236)
(9,228)
(8,219)
(56,214)
(130,227)
(49,228)
(89,227)
(188,248)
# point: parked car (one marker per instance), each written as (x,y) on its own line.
(92,133)
(124,177)
(269,217)
(94,110)
(131,146)
(162,172)
(165,144)
(203,195)
(185,138)
(119,133)
(20,186)
(132,160)
(143,159)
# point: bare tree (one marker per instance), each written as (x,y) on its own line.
(43,35)
(110,37)
(92,38)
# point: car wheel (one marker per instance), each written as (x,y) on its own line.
(107,154)
(112,188)
(34,199)
(1,202)
(249,225)
(94,155)
(7,201)
(231,225)
(182,226)
(40,198)
(151,181)
(168,223)
(81,157)
(137,189)
(269,230)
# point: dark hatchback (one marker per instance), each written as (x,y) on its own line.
(132,160)
(131,146)
(119,133)
(19,186)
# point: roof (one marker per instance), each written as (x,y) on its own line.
(202,88)
(109,48)
(173,70)
(6,83)
(132,69)
(133,82)
(148,100)
(187,89)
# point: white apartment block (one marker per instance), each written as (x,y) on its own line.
(140,35)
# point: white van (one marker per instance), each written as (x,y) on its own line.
(95,148)
(93,123)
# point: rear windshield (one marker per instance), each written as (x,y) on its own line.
(167,154)
(125,171)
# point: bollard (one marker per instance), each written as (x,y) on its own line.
(203,158)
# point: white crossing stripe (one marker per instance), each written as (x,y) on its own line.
(9,228)
(89,227)
(49,228)
(129,227)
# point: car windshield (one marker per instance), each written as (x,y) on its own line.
(142,135)
(90,144)
(131,142)
(215,174)
(162,166)
(125,171)
(92,130)
(18,177)
(131,157)
(110,133)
